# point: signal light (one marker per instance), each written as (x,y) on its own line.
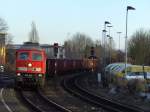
(92,51)
(55,49)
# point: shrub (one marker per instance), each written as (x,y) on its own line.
(140,85)
(119,82)
(136,85)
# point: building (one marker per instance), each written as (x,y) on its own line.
(53,51)
(49,49)
(2,49)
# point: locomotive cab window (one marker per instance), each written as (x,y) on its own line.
(23,56)
(36,56)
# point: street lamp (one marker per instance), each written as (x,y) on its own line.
(104,35)
(128,8)
(109,29)
(119,46)
(110,38)
(109,56)
(104,56)
(107,22)
(119,39)
(109,43)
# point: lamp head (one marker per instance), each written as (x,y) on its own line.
(109,26)
(104,30)
(108,35)
(130,8)
(107,22)
(119,32)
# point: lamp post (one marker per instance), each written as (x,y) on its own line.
(119,46)
(104,31)
(109,47)
(104,58)
(109,36)
(128,8)
(119,39)
(109,29)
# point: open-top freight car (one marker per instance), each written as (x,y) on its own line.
(62,66)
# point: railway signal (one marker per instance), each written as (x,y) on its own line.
(92,51)
(55,50)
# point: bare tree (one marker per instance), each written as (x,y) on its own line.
(33,35)
(7,55)
(98,49)
(78,46)
(139,47)
(10,53)
(3,26)
(9,40)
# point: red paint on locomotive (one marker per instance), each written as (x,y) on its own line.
(30,66)
(30,61)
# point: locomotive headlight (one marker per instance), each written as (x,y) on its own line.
(40,75)
(29,65)
(91,64)
(18,74)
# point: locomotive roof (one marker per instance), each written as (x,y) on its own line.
(30,46)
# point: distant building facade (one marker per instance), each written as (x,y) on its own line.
(49,49)
(51,53)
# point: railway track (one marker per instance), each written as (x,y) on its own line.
(72,85)
(39,103)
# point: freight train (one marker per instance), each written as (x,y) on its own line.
(33,67)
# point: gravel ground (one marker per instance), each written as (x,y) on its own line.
(13,102)
(55,92)
(91,83)
(9,95)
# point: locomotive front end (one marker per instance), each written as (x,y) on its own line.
(30,67)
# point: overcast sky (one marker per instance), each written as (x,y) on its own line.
(57,20)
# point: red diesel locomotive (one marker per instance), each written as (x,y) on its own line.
(30,65)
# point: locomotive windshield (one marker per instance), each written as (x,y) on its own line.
(23,56)
(36,56)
